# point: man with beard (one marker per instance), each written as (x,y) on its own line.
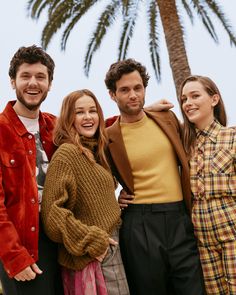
(157,242)
(28,258)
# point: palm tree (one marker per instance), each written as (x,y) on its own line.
(168,12)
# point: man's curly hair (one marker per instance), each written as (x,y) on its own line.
(31,55)
(118,69)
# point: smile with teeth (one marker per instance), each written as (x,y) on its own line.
(33,92)
(87,125)
(189,111)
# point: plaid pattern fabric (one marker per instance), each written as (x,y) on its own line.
(113,270)
(213,183)
(213,164)
(107,278)
(215,227)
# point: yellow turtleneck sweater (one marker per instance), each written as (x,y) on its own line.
(153,163)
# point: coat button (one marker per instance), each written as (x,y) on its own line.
(12,161)
(33,228)
(30,136)
(33,201)
(30,152)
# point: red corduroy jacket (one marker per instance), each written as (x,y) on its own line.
(19,208)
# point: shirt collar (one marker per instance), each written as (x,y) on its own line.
(210,131)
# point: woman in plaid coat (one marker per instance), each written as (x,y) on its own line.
(211,148)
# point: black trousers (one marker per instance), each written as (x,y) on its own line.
(159,250)
(48,283)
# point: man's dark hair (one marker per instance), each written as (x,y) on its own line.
(118,69)
(31,55)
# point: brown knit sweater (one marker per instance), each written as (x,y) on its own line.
(79,208)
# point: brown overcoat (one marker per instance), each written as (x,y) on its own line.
(170,125)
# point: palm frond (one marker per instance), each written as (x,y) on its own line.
(217,10)
(55,4)
(79,10)
(206,20)
(129,21)
(59,16)
(105,21)
(188,10)
(152,16)
(35,7)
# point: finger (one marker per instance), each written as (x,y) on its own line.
(19,278)
(125,202)
(124,195)
(25,275)
(36,269)
(29,274)
(102,256)
(129,197)
(129,201)
(113,242)
(30,277)
(166,106)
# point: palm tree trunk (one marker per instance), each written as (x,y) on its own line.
(174,40)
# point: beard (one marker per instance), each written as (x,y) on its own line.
(30,106)
(132,111)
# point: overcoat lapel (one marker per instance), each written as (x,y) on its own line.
(119,155)
(166,122)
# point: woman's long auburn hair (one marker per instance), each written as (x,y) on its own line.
(65,131)
(189,132)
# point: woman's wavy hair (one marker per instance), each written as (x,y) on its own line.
(189,133)
(65,131)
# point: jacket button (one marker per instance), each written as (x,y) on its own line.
(12,161)
(30,152)
(33,201)
(33,228)
(30,136)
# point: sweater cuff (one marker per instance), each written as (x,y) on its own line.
(99,241)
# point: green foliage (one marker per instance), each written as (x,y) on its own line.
(68,13)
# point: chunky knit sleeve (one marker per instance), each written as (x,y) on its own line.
(59,197)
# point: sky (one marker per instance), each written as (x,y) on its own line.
(218,61)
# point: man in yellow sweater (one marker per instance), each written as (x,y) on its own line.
(158,246)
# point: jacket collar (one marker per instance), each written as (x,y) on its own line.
(12,116)
(118,151)
(117,147)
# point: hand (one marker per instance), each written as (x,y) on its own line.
(160,105)
(112,242)
(124,199)
(29,273)
(102,256)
